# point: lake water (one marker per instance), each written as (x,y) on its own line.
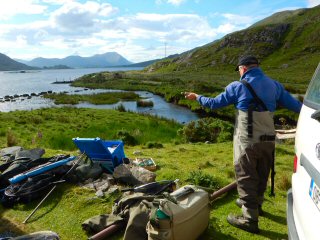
(18,83)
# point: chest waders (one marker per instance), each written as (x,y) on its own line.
(263,137)
(254,137)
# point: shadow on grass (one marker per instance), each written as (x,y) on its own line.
(47,205)
(224,199)
(272,235)
(214,232)
(216,229)
(275,218)
(8,229)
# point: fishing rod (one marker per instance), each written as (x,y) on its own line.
(54,187)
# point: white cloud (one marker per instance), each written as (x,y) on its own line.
(313,3)
(238,19)
(32,32)
(231,22)
(87,28)
(88,35)
(57,43)
(174,27)
(173,2)
(41,34)
(176,2)
(58,2)
(226,28)
(93,41)
(8,9)
(139,53)
(73,16)
(21,41)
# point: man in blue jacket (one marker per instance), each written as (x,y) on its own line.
(255,98)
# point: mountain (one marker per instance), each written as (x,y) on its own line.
(109,59)
(8,64)
(287,44)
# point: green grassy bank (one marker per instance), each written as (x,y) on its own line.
(54,128)
(99,98)
(70,205)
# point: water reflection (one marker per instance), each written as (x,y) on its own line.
(160,108)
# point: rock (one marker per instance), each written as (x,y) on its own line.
(108,177)
(123,173)
(113,190)
(150,69)
(99,193)
(104,187)
(133,175)
(89,171)
(88,181)
(89,185)
(143,175)
(10,150)
(223,58)
(101,184)
(137,152)
(32,154)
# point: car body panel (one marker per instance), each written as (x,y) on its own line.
(303,215)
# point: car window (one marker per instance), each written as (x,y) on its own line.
(312,98)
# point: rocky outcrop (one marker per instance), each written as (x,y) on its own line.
(260,41)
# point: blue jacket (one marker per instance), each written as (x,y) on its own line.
(268,90)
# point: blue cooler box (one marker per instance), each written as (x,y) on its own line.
(109,153)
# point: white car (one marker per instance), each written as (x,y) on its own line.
(303,200)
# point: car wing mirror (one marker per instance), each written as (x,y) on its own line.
(316,115)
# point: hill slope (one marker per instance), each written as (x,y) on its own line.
(8,64)
(148,63)
(287,44)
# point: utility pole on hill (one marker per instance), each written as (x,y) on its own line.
(165,49)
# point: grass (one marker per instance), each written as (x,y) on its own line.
(53,128)
(99,98)
(70,205)
(209,165)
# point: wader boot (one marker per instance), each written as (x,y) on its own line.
(243,223)
(248,221)
(239,203)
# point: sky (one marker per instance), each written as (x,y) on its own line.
(139,30)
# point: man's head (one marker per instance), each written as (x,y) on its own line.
(245,63)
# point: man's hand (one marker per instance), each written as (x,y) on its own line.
(190,95)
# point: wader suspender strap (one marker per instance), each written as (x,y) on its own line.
(250,121)
(251,106)
(273,173)
(254,95)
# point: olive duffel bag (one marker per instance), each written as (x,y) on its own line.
(183,215)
